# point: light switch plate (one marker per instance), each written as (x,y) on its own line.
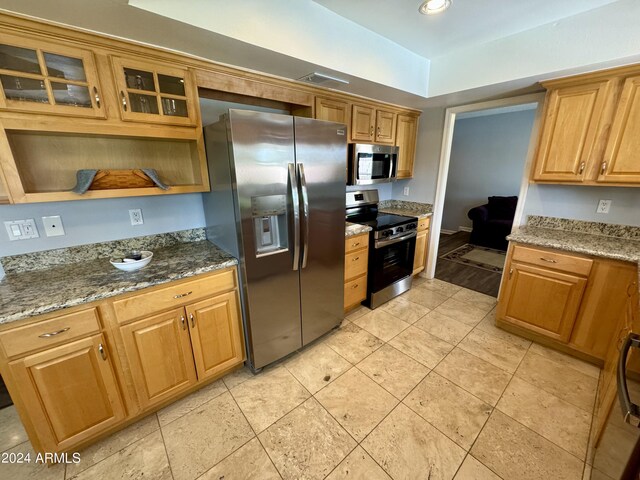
(21,229)
(135,214)
(603,206)
(53,226)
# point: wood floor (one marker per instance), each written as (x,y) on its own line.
(472,278)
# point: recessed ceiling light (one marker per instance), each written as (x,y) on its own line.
(431,7)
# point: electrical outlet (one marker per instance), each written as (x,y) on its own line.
(136,216)
(603,206)
(405,192)
(21,229)
(53,226)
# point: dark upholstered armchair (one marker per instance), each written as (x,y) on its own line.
(492,222)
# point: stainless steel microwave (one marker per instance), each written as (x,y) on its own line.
(369,164)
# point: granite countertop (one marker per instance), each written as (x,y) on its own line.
(409,209)
(27,294)
(353,229)
(616,248)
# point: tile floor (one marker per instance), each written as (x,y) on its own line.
(424,387)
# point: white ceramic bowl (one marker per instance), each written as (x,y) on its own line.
(133,265)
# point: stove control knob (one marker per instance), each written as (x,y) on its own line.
(399,229)
(386,233)
(411,226)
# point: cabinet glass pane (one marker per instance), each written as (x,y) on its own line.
(19,59)
(143,103)
(74,95)
(25,89)
(174,107)
(68,68)
(139,79)
(171,85)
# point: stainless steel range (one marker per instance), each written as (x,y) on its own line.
(392,245)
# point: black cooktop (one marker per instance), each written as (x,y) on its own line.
(383,220)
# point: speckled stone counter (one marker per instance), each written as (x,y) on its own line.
(403,207)
(353,229)
(26,294)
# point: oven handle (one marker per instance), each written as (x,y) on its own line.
(391,241)
(630,410)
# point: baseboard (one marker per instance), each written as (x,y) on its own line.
(447,232)
(464,229)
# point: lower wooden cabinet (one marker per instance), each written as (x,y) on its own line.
(422,245)
(158,350)
(69,392)
(569,301)
(355,270)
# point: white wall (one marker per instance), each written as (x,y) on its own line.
(487,158)
(422,187)
(580,202)
(92,221)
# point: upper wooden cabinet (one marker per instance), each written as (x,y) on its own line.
(332,110)
(363,123)
(591,130)
(406,139)
(155,93)
(385,127)
(46,77)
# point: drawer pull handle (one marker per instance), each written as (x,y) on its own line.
(53,334)
(355,286)
(603,168)
(96,95)
(102,351)
(184,325)
(193,320)
(355,244)
(548,260)
(581,169)
(510,272)
(355,259)
(182,295)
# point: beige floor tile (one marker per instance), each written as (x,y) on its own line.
(513,451)
(307,443)
(421,346)
(113,443)
(356,402)
(358,466)
(405,310)
(484,380)
(145,458)
(462,311)
(393,370)
(477,299)
(203,437)
(443,327)
(268,397)
(381,324)
(566,360)
(452,410)
(29,470)
(418,280)
(357,313)
(564,424)
(570,385)
(472,469)
(438,286)
(492,349)
(237,377)
(12,432)
(190,402)
(353,342)
(250,462)
(425,297)
(317,366)
(488,324)
(408,447)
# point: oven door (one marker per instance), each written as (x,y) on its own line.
(390,260)
(370,164)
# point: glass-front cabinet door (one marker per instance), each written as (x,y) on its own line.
(154,93)
(48,78)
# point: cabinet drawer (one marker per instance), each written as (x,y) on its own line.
(355,264)
(423,223)
(173,296)
(50,333)
(556,261)
(356,243)
(355,291)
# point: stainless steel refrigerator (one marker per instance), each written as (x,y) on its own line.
(277,203)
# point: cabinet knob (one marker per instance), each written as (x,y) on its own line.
(102,351)
(124,100)
(581,169)
(96,95)
(510,273)
(603,168)
(182,320)
(371,132)
(193,320)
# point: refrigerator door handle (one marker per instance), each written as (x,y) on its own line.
(305,211)
(296,215)
(630,410)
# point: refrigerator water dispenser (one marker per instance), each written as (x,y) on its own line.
(269,214)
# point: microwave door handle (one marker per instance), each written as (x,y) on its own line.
(295,200)
(630,410)
(305,213)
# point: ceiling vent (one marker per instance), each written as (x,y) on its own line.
(323,80)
